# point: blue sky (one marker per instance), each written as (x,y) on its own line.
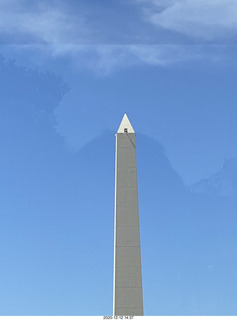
(69,70)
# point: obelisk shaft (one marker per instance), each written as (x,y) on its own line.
(128,298)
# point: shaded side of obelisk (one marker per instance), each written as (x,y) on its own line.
(128,298)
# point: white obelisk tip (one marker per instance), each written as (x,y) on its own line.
(125,126)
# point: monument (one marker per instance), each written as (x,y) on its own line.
(128,298)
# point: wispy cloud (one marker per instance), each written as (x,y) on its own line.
(105,59)
(52,29)
(203,19)
(44,23)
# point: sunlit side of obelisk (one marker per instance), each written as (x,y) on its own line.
(128,299)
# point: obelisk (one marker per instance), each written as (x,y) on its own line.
(128,299)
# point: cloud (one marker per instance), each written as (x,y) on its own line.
(100,59)
(104,60)
(203,19)
(44,30)
(44,23)
(56,22)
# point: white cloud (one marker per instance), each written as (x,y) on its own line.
(56,23)
(44,23)
(100,59)
(204,19)
(64,33)
(106,59)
